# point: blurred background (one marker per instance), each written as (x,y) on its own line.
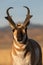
(18,13)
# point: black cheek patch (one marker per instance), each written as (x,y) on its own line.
(13,30)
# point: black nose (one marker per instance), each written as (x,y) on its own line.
(19,36)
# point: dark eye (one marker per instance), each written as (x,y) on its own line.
(13,30)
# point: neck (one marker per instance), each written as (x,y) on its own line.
(18,47)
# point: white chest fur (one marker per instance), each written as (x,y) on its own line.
(20,60)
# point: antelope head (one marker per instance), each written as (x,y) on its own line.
(19,30)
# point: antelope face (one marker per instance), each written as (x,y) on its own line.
(19,33)
(19,30)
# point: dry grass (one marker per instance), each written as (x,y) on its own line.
(5,57)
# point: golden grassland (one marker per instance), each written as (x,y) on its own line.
(5,57)
(6,43)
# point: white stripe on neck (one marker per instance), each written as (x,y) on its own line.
(16,45)
(15,41)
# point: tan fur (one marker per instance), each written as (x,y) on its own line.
(18,55)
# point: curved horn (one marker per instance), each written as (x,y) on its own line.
(28,16)
(27,10)
(12,24)
(8,10)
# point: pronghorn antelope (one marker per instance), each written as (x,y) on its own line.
(25,51)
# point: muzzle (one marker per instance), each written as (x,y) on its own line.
(20,35)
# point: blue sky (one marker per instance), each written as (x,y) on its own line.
(19,13)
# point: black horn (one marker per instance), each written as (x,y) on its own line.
(28,16)
(12,24)
(8,10)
